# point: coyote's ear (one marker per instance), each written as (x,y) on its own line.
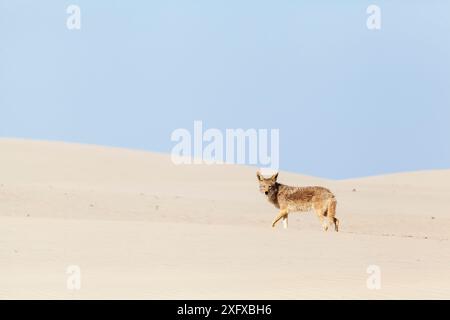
(258,175)
(274,177)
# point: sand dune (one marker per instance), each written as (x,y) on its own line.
(139,226)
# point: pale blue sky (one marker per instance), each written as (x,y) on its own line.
(348,101)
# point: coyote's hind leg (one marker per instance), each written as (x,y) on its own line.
(336,224)
(321,214)
(331,212)
(324,222)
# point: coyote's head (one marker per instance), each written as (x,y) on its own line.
(267,186)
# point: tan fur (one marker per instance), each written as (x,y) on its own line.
(299,199)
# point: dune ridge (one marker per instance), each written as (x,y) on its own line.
(141,227)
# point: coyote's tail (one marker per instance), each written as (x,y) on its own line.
(331,213)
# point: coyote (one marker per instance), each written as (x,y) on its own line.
(299,199)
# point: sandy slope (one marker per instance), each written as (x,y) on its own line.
(140,227)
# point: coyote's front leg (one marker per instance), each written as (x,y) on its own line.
(282,214)
(285,221)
